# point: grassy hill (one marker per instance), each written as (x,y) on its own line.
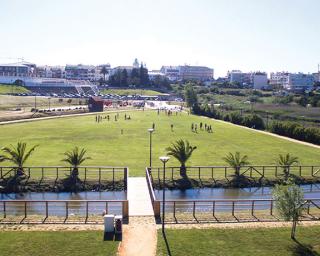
(107,146)
(5,89)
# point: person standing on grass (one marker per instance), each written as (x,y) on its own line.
(192,127)
(153,126)
(200,125)
(125,116)
(172,127)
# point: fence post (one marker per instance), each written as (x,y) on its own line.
(47,210)
(174,209)
(42,173)
(67,209)
(213,208)
(233,208)
(211,172)
(4,210)
(194,209)
(276,171)
(125,209)
(262,171)
(85,175)
(113,178)
(199,173)
(271,207)
(25,209)
(171,173)
(99,178)
(125,178)
(312,171)
(107,208)
(29,173)
(225,172)
(252,208)
(300,171)
(87,210)
(57,172)
(156,208)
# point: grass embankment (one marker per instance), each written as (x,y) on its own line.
(263,241)
(107,146)
(28,102)
(5,89)
(126,92)
(56,243)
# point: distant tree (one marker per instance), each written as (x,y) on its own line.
(190,95)
(236,162)
(289,201)
(182,151)
(285,161)
(104,71)
(124,78)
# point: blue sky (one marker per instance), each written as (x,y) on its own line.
(266,35)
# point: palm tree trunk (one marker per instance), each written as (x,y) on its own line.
(183,171)
(75,172)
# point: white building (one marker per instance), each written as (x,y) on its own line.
(259,80)
(199,73)
(155,73)
(299,82)
(171,72)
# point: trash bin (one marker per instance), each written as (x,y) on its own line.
(118,224)
(108,223)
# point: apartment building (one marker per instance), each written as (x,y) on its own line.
(199,73)
(21,69)
(293,81)
(171,72)
(259,80)
(80,72)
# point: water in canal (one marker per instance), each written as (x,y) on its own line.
(59,208)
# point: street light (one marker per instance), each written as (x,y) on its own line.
(163,159)
(150,143)
(49,102)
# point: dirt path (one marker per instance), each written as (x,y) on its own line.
(139,237)
(240,225)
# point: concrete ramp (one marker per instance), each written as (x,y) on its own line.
(138,196)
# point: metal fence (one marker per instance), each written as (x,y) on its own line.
(54,173)
(60,211)
(240,210)
(220,172)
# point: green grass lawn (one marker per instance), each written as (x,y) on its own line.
(4,89)
(56,243)
(126,92)
(107,146)
(271,241)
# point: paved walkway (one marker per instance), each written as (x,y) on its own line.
(140,236)
(138,196)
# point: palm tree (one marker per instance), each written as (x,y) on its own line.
(285,161)
(182,151)
(75,158)
(104,71)
(236,161)
(17,155)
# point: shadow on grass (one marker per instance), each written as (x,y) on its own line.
(166,242)
(111,236)
(300,249)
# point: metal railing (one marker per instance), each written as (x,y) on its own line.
(54,173)
(40,211)
(239,209)
(218,172)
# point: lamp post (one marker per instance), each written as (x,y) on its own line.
(49,102)
(150,143)
(163,159)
